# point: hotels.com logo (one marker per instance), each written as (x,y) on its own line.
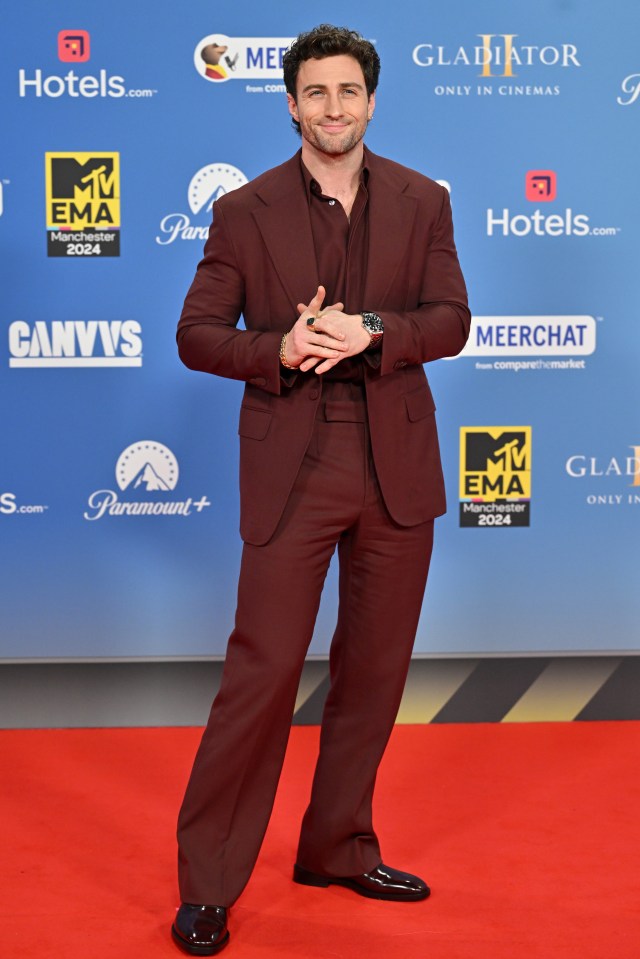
(541,187)
(74,46)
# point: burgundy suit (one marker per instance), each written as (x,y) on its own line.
(321,464)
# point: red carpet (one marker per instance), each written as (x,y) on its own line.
(529,835)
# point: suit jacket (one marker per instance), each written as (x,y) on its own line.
(259,261)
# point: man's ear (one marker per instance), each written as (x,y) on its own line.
(293,107)
(371,104)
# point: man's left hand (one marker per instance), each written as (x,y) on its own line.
(356,337)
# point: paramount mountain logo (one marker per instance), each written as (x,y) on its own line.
(145,467)
(147,464)
(206,186)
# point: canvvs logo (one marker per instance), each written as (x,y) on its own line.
(206,186)
(541,186)
(146,472)
(74,46)
(73,343)
(83,204)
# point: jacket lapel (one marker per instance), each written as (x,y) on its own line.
(282,217)
(283,220)
(392,212)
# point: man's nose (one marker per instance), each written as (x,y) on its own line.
(333,104)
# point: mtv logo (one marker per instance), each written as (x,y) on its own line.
(74,46)
(540,185)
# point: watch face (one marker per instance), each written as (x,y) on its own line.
(372,323)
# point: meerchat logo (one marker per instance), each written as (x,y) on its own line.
(541,186)
(495,475)
(531,336)
(146,472)
(206,186)
(219,58)
(83,204)
(74,343)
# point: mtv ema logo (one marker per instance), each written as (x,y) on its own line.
(218,58)
(65,343)
(83,204)
(495,475)
(145,467)
(206,186)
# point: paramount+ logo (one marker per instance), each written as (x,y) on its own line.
(495,476)
(146,473)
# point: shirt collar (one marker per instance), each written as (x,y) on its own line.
(312,186)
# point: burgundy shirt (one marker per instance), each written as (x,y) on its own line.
(341,245)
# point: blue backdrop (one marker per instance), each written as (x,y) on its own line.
(118,491)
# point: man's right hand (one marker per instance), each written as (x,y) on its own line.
(302,343)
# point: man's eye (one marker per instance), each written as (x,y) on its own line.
(349,91)
(315,93)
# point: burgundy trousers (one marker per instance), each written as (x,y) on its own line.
(335,501)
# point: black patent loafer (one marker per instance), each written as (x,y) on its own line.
(383,882)
(200,930)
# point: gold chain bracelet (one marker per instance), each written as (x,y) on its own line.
(283,354)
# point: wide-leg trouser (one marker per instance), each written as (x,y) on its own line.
(336,501)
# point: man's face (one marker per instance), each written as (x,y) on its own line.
(331,104)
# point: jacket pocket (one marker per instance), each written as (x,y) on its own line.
(419,403)
(254,424)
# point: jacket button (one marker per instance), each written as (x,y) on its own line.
(313,394)
(399,364)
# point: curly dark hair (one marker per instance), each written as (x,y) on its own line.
(326,40)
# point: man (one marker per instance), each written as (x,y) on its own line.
(338,447)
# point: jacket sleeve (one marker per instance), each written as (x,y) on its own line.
(439,326)
(208,338)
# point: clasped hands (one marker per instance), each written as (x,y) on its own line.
(333,336)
